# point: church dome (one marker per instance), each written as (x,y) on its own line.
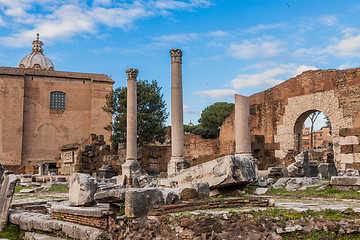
(36,59)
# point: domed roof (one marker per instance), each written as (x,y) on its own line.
(36,59)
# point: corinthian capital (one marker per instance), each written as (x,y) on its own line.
(176,55)
(131,73)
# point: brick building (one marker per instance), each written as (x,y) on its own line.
(322,138)
(42,109)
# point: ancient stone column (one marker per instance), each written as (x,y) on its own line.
(131,166)
(242,135)
(242,126)
(177,161)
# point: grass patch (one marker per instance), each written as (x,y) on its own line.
(319,235)
(11,232)
(59,188)
(290,214)
(18,188)
(287,214)
(312,192)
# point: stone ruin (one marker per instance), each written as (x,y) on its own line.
(7,187)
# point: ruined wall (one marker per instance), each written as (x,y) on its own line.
(276,112)
(31,132)
(11,112)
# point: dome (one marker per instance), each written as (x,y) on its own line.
(36,59)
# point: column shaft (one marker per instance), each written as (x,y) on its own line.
(177,127)
(242,126)
(131,121)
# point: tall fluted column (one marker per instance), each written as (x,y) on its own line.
(177,161)
(242,126)
(131,167)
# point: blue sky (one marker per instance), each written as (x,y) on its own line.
(229,46)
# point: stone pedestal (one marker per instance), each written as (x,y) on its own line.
(177,161)
(131,167)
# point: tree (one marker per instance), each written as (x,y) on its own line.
(212,117)
(313,116)
(151,113)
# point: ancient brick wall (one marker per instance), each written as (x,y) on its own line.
(32,133)
(278,113)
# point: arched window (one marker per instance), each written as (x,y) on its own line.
(57,100)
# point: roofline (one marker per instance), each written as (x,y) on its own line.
(53,73)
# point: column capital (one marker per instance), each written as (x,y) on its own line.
(176,55)
(132,73)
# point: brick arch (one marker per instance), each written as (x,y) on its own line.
(300,106)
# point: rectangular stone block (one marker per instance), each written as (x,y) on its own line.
(348,140)
(327,170)
(356,148)
(138,201)
(346,149)
(311,170)
(345,180)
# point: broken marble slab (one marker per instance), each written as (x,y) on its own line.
(221,172)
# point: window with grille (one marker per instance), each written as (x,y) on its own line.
(57,100)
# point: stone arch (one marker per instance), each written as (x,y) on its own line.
(298,127)
(298,108)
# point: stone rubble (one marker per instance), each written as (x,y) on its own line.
(293,184)
(7,188)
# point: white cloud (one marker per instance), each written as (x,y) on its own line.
(269,77)
(119,17)
(248,49)
(303,68)
(171,4)
(216,93)
(328,20)
(180,37)
(218,33)
(261,27)
(67,18)
(346,66)
(347,47)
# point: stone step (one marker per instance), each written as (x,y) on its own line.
(38,236)
(29,221)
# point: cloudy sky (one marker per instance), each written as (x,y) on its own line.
(229,46)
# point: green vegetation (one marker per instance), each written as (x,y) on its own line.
(11,232)
(18,188)
(59,188)
(319,235)
(151,113)
(211,119)
(312,192)
(290,214)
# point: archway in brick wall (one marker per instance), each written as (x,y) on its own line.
(298,109)
(321,137)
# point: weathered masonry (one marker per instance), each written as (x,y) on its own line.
(278,114)
(42,109)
